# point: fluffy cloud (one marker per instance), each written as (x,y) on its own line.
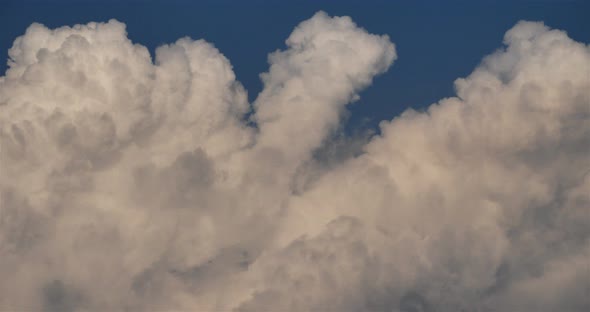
(132,184)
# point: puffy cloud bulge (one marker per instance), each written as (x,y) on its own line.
(132,184)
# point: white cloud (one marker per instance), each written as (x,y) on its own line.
(128,184)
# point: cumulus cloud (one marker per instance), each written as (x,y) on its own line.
(136,184)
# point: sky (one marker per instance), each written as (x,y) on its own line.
(453,35)
(315,156)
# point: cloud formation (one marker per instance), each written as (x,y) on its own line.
(132,184)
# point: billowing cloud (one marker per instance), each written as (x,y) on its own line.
(132,184)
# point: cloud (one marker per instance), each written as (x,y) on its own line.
(132,184)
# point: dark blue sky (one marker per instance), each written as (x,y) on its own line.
(437,41)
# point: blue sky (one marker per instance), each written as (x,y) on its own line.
(436,41)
